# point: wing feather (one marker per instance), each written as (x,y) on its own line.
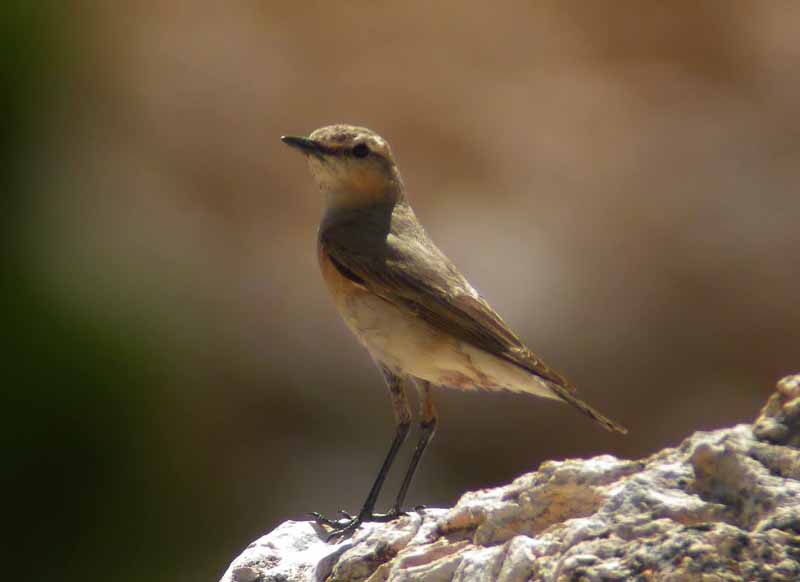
(402,265)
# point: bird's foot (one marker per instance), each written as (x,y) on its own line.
(338,527)
(348,523)
(390,515)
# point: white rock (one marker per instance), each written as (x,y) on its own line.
(723,506)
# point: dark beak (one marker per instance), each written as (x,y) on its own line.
(305,145)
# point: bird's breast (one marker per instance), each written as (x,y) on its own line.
(409,345)
(385,330)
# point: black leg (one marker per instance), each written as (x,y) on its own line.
(402,413)
(428,420)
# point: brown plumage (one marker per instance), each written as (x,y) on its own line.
(405,301)
(394,259)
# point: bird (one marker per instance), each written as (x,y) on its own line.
(418,317)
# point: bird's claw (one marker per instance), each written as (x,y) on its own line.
(339,527)
(390,515)
(322,520)
(344,528)
(348,524)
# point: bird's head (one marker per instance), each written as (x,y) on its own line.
(352,165)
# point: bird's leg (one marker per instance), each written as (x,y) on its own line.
(427,424)
(402,413)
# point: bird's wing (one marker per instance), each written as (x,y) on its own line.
(411,272)
(424,282)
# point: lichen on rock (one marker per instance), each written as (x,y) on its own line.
(722,506)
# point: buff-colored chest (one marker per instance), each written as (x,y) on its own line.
(387,332)
(409,345)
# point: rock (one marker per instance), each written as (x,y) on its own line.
(722,506)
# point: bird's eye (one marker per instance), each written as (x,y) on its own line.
(360,150)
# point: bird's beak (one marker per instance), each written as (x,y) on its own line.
(305,145)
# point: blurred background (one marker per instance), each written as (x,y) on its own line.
(619,179)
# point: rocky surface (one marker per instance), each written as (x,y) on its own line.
(722,506)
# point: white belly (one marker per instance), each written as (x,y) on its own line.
(409,345)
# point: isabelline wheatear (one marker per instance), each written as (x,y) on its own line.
(416,315)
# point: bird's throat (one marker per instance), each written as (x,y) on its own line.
(362,194)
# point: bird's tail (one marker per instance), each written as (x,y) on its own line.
(567,396)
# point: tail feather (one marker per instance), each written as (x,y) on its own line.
(567,396)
